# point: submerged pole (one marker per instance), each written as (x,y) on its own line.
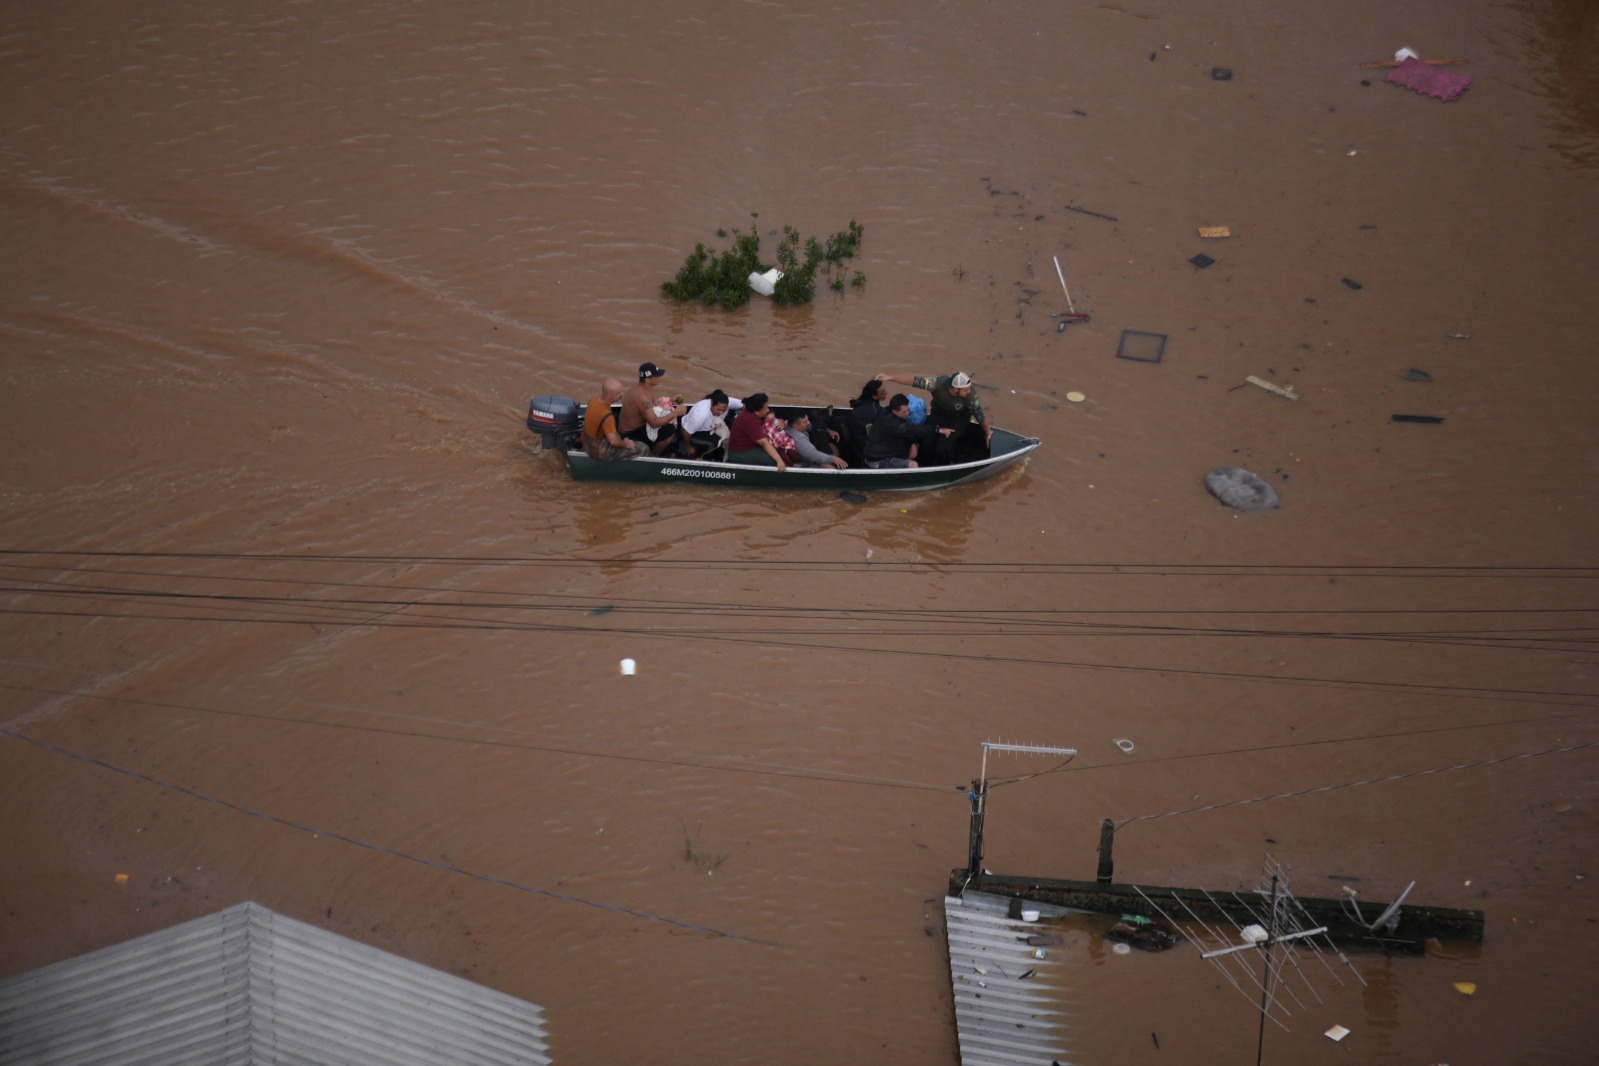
(974,841)
(1265,977)
(1107,838)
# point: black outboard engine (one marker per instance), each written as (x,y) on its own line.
(554,419)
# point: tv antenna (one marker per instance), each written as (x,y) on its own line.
(1284,934)
(978,794)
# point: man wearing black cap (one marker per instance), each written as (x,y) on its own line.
(954,412)
(638,415)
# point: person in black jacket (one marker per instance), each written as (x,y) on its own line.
(892,442)
(863,411)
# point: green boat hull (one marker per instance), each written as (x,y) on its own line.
(1006,450)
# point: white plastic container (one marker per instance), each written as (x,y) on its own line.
(766,283)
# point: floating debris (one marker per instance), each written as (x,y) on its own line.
(1086,211)
(1285,391)
(1239,489)
(1143,933)
(1421,77)
(1141,347)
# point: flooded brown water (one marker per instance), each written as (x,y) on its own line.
(280,279)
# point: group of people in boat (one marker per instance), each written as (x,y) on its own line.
(882,430)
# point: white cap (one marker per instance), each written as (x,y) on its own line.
(960,380)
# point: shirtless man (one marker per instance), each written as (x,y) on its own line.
(638,415)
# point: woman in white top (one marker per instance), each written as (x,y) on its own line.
(705,425)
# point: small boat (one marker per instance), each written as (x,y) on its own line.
(558,421)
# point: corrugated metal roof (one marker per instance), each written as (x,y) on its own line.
(249,987)
(1006,998)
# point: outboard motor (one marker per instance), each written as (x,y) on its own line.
(554,419)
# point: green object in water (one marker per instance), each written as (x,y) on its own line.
(607,609)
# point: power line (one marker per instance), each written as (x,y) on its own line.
(341,838)
(886,566)
(1015,616)
(701,763)
(1554,697)
(682,762)
(1353,784)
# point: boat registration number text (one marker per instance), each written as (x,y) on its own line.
(678,471)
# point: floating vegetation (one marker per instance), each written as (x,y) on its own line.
(694,854)
(721,279)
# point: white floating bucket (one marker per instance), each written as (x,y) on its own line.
(766,283)
(629,667)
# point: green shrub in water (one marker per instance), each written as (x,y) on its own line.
(721,279)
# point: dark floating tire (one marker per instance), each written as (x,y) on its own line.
(1239,489)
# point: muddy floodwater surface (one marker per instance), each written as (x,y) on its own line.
(281,559)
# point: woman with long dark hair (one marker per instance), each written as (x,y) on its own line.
(705,426)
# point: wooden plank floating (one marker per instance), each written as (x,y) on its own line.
(1414,927)
(1285,391)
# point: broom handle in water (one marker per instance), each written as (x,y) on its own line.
(1383,63)
(1063,287)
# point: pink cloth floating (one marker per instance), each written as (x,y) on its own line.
(1419,77)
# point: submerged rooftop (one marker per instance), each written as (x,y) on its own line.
(250,987)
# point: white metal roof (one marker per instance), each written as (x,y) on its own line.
(1007,1000)
(249,987)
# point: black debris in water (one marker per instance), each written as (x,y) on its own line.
(852,497)
(1141,347)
